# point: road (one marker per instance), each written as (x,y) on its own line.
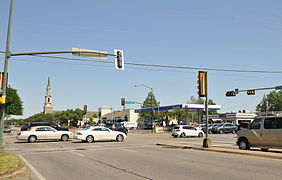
(139,158)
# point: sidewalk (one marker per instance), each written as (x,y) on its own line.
(271,153)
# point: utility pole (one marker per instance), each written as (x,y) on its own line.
(4,85)
(207,140)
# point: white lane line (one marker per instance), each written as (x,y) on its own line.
(40,177)
(81,155)
(127,150)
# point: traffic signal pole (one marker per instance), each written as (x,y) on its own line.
(4,85)
(207,140)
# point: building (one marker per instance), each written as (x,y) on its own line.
(107,115)
(48,107)
(232,117)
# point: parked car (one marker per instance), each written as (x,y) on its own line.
(44,133)
(214,126)
(264,132)
(242,125)
(226,128)
(209,128)
(119,127)
(99,133)
(7,129)
(185,130)
(27,126)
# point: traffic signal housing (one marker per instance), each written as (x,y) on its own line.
(154,113)
(84,109)
(251,92)
(122,101)
(230,93)
(119,60)
(202,78)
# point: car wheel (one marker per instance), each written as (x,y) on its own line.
(31,139)
(89,139)
(64,137)
(221,131)
(200,134)
(182,135)
(244,144)
(119,138)
(210,132)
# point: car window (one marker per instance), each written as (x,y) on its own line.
(96,129)
(86,128)
(185,127)
(49,129)
(176,127)
(40,129)
(104,129)
(6,126)
(273,123)
(256,124)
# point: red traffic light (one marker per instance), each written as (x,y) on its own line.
(122,101)
(85,109)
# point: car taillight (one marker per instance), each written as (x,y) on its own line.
(19,133)
(79,133)
(178,130)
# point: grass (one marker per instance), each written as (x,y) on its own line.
(9,163)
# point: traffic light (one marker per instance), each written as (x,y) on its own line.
(119,60)
(202,83)
(84,109)
(122,101)
(230,93)
(154,112)
(251,92)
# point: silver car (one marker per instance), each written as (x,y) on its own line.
(7,129)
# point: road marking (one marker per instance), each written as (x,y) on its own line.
(127,150)
(81,155)
(32,168)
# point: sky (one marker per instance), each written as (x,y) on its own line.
(220,34)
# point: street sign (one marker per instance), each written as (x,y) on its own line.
(129,102)
(90,53)
(278,87)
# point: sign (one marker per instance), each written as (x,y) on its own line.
(129,102)
(278,87)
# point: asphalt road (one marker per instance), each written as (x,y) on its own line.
(139,158)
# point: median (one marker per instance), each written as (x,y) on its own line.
(11,166)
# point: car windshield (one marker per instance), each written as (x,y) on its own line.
(197,125)
(220,125)
(5,126)
(176,127)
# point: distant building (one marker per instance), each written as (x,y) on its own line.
(48,107)
(106,115)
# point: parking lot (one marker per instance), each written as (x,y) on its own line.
(138,157)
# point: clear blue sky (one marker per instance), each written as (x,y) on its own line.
(197,33)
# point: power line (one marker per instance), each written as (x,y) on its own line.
(163,66)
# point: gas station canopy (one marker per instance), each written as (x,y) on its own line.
(190,107)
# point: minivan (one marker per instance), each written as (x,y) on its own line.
(263,132)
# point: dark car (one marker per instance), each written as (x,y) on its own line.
(27,126)
(226,128)
(242,125)
(7,129)
(117,127)
(209,128)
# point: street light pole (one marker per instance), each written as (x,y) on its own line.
(151,89)
(4,85)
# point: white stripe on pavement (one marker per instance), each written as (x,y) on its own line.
(32,168)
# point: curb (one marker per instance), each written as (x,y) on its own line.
(225,150)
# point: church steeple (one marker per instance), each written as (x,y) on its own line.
(48,107)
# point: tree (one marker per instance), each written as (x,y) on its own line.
(14,104)
(274,101)
(148,103)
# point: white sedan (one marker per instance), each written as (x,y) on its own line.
(44,133)
(98,133)
(185,130)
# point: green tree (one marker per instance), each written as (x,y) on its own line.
(274,101)
(40,117)
(14,104)
(91,121)
(148,103)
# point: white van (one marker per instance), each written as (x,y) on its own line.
(129,125)
(264,132)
